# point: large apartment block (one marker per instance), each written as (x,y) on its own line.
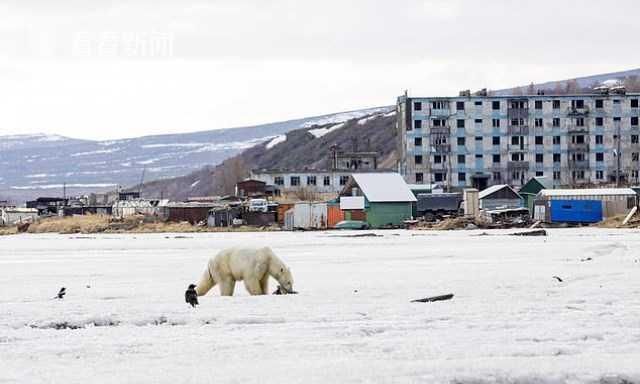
(484,140)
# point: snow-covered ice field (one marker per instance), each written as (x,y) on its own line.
(124,319)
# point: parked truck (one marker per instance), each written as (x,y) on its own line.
(433,206)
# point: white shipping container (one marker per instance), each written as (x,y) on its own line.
(310,215)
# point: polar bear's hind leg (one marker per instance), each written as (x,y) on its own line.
(227,287)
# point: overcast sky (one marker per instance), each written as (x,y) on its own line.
(110,69)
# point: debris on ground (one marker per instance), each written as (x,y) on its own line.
(537,232)
(282,291)
(431,299)
(359,235)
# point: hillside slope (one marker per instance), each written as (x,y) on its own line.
(302,148)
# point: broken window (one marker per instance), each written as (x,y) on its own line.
(599,139)
(599,175)
(539,173)
(599,156)
(539,158)
(462,176)
(417,124)
(495,140)
(278,180)
(459,105)
(460,123)
(496,159)
(344,180)
(418,159)
(599,103)
(556,121)
(495,123)
(440,176)
(478,121)
(538,104)
(326,181)
(440,104)
(634,139)
(437,159)
(537,122)
(478,155)
(556,157)
(497,176)
(479,138)
(634,121)
(417,106)
(580,122)
(461,159)
(311,180)
(478,103)
(599,121)
(461,141)
(577,104)
(417,141)
(634,156)
(539,140)
(634,103)
(419,177)
(556,140)
(515,140)
(294,181)
(495,105)
(556,175)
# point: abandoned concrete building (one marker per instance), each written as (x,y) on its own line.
(482,140)
(340,164)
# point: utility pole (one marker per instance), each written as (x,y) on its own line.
(617,123)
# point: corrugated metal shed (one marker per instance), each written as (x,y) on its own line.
(563,193)
(310,215)
(576,211)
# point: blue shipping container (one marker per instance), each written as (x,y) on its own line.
(576,211)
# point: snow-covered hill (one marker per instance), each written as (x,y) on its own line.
(46,162)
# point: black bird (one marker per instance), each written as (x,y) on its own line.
(61,293)
(557,278)
(190,296)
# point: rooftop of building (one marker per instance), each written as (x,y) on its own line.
(521,97)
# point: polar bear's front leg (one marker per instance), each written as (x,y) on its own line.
(227,287)
(264,284)
(205,284)
(253,286)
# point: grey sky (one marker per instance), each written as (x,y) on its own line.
(109,69)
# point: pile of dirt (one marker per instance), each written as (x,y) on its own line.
(616,222)
(71,224)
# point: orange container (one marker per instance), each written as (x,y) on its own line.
(334,215)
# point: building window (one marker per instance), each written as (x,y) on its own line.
(635,156)
(311,180)
(478,103)
(278,180)
(418,159)
(478,155)
(599,175)
(634,121)
(599,103)
(539,173)
(580,122)
(460,123)
(294,181)
(616,101)
(634,139)
(462,176)
(556,121)
(459,105)
(538,104)
(538,140)
(537,122)
(497,176)
(556,175)
(556,140)
(495,123)
(419,177)
(344,180)
(437,159)
(462,159)
(417,124)
(556,157)
(495,140)
(478,121)
(515,140)
(461,141)
(598,139)
(496,159)
(539,158)
(417,141)
(326,181)
(556,104)
(634,103)
(495,105)
(616,119)
(599,156)
(417,106)
(577,104)
(479,138)
(440,176)
(599,121)
(440,104)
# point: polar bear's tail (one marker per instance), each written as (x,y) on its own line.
(206,282)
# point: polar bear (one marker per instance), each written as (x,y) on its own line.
(253,265)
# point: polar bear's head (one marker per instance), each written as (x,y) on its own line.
(285,279)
